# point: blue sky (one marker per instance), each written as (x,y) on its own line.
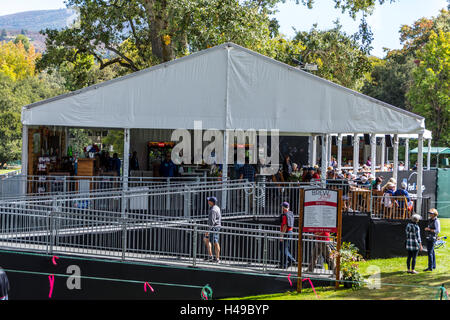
(385,21)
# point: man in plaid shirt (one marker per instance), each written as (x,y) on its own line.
(413,243)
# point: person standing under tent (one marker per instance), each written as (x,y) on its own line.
(116,164)
(287,225)
(4,285)
(432,230)
(167,168)
(247,171)
(413,243)
(287,168)
(214,224)
(134,162)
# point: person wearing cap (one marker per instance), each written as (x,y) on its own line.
(364,181)
(413,243)
(387,200)
(432,230)
(214,224)
(287,225)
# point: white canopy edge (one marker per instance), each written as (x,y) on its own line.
(426,135)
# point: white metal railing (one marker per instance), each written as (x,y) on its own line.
(149,238)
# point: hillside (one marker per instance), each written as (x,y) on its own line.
(35,21)
(31,22)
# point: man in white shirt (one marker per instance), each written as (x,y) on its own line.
(214,223)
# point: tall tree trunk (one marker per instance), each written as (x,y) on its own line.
(158,23)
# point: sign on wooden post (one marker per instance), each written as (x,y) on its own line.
(320,211)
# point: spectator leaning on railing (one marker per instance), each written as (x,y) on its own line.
(403,193)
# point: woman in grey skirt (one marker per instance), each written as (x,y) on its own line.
(413,242)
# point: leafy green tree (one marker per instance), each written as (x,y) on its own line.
(390,79)
(136,34)
(340,58)
(429,94)
(14,95)
(24,40)
(417,35)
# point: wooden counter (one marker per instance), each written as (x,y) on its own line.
(85,167)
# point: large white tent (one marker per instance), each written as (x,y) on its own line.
(225,87)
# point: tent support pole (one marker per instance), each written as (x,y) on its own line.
(419,176)
(226,145)
(383,151)
(395,168)
(373,153)
(323,176)
(314,150)
(329,146)
(339,152)
(407,154)
(355,153)
(24,159)
(429,156)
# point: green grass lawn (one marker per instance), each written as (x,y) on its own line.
(396,284)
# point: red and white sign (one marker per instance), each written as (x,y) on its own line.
(320,210)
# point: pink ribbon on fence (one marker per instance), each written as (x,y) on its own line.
(310,282)
(145,287)
(53,260)
(51,279)
(289,278)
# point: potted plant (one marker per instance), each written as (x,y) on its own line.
(349,266)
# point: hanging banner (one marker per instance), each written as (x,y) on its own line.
(320,210)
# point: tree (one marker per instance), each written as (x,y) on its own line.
(390,79)
(3,35)
(429,94)
(136,34)
(416,36)
(339,56)
(13,96)
(24,40)
(16,62)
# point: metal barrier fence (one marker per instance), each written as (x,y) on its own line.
(21,185)
(145,238)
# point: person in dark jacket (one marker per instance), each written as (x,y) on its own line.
(413,243)
(134,162)
(4,285)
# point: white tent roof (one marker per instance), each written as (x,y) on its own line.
(226,87)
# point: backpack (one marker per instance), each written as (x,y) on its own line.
(289,218)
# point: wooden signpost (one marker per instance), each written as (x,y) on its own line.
(320,211)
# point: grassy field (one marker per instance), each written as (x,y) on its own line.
(396,284)
(3,171)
